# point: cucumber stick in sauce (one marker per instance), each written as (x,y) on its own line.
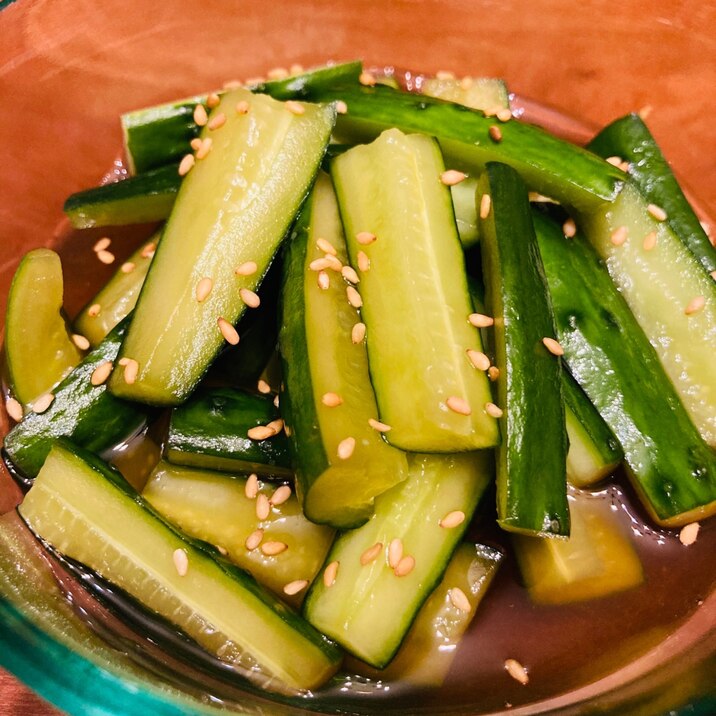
(232,211)
(89,513)
(377,577)
(341,461)
(531,465)
(671,467)
(399,218)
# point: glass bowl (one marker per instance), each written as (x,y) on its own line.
(69,67)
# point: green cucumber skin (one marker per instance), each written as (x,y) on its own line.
(160,135)
(630,139)
(135,200)
(89,415)
(531,472)
(671,467)
(548,165)
(210,431)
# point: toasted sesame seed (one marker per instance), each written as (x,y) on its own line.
(445,75)
(363,261)
(260,432)
(250,298)
(131,370)
(695,305)
(516,671)
(148,250)
(333,263)
(493,410)
(459,600)
(349,274)
(271,549)
(217,121)
(43,403)
(298,585)
(495,133)
(341,107)
(657,212)
(649,241)
(451,177)
(228,331)
(331,400)
(181,562)
(263,387)
(377,425)
(263,506)
(689,533)
(254,539)
(330,573)
(619,235)
(80,341)
(480,320)
(102,244)
(242,107)
(553,346)
(478,359)
(106,257)
(395,552)
(251,489)
(200,115)
(458,405)
(358,333)
(323,280)
(186,164)
(371,553)
(101,373)
(405,566)
(326,246)
(280,495)
(277,73)
(614,161)
(346,448)
(295,107)
(213,100)
(14,409)
(452,519)
(493,373)
(127,267)
(569,228)
(204,148)
(485,204)
(365,237)
(366,79)
(195,144)
(353,297)
(504,114)
(246,269)
(203,288)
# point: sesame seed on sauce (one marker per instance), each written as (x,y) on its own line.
(296,69)
(254,539)
(326,246)
(247,268)
(80,341)
(341,107)
(292,588)
(251,489)
(14,409)
(365,237)
(131,370)
(495,133)
(106,257)
(43,403)
(127,267)
(213,100)
(371,554)
(358,333)
(354,297)
(695,305)
(656,212)
(459,600)
(331,400)
(689,533)
(217,121)
(242,107)
(493,410)
(363,261)
(346,447)
(280,495)
(645,111)
(203,288)
(458,405)
(553,346)
(619,236)
(250,298)
(323,280)
(445,75)
(204,148)
(253,81)
(378,426)
(181,562)
(263,387)
(569,228)
(649,241)
(452,519)
(295,107)
(478,359)
(366,79)
(395,552)
(517,671)
(349,274)
(101,373)
(480,320)
(200,115)
(405,566)
(277,73)
(102,244)
(485,204)
(186,164)
(330,573)
(228,331)
(263,506)
(451,177)
(271,549)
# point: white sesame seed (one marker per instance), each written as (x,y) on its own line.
(478,359)
(186,164)
(263,506)
(493,410)
(213,100)
(254,539)
(275,402)
(246,269)
(346,448)
(333,263)
(228,331)
(203,288)
(127,267)
(271,549)
(493,373)
(200,115)
(452,519)
(405,566)
(645,111)
(695,305)
(14,409)
(569,228)
(43,403)
(102,244)
(277,73)
(242,107)
(280,495)
(101,373)
(619,236)
(517,671)
(296,69)
(504,114)
(331,400)
(358,333)
(353,297)
(614,161)
(451,177)
(326,246)
(319,264)
(250,298)
(689,533)
(657,212)
(341,107)
(80,341)
(485,204)
(221,550)
(649,241)
(263,387)
(363,261)
(131,370)
(106,257)
(253,81)
(260,432)
(459,600)
(330,573)
(148,250)
(495,133)
(366,79)
(195,144)
(298,585)
(480,320)
(445,75)
(458,405)
(377,425)
(217,121)
(251,489)
(371,553)
(365,237)
(181,562)
(553,346)
(349,274)
(466,83)
(323,280)
(204,148)
(124,361)
(713,275)
(395,552)
(295,107)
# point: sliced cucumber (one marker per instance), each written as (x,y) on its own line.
(415,297)
(597,560)
(630,139)
(548,165)
(484,93)
(215,508)
(430,647)
(87,512)
(320,359)
(234,207)
(86,413)
(211,431)
(38,347)
(531,465)
(118,297)
(661,285)
(463,202)
(135,200)
(672,469)
(160,135)
(365,605)
(594,452)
